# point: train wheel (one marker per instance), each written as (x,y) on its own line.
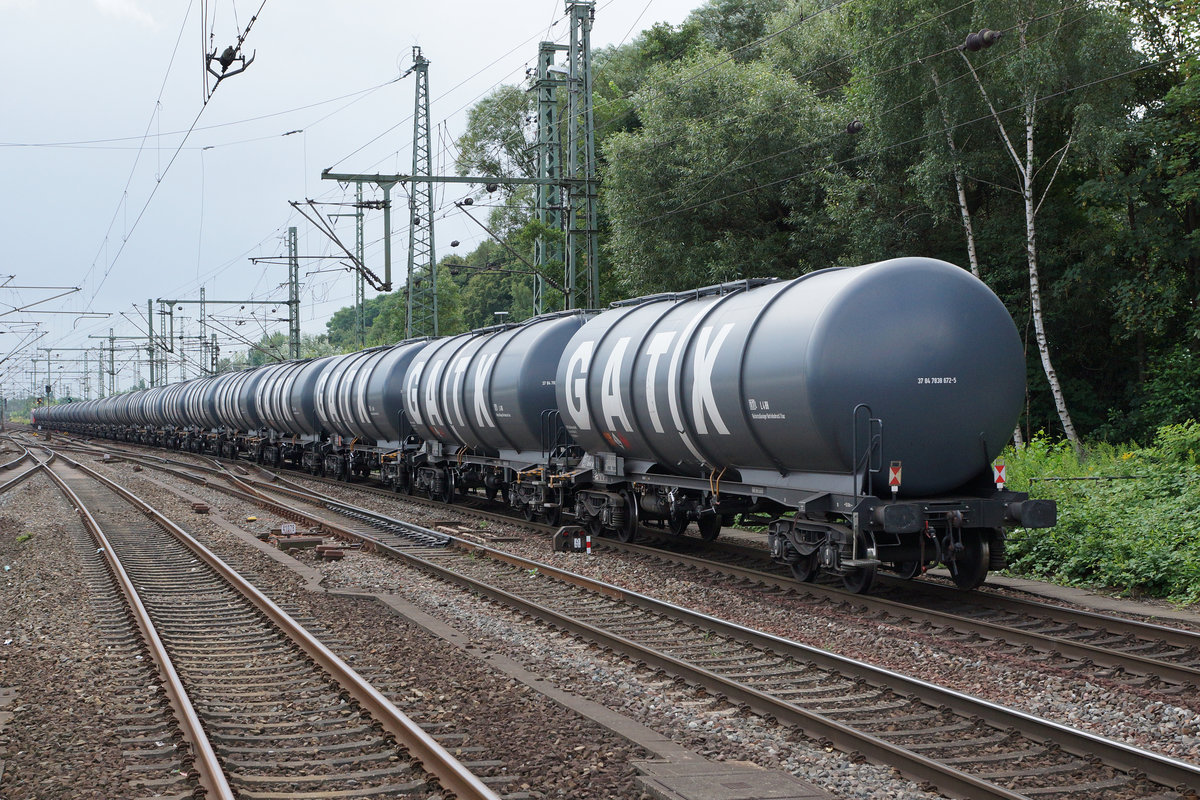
(490,492)
(908,569)
(859,580)
(806,569)
(969,569)
(448,490)
(553,515)
(627,532)
(677,523)
(710,526)
(595,527)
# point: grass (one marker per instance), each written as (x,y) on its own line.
(1128,516)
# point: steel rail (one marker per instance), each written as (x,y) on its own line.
(1161,769)
(16,462)
(210,773)
(1080,651)
(981,597)
(450,773)
(1123,625)
(21,477)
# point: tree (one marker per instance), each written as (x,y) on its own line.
(498,141)
(713,186)
(733,25)
(270,348)
(1043,62)
(340,327)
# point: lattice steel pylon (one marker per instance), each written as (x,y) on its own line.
(583,253)
(548,251)
(360,293)
(293,295)
(422,319)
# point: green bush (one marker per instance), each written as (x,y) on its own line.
(1132,524)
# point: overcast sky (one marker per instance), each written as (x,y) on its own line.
(96,98)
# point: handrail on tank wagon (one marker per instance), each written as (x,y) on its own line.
(865,465)
(871,461)
(553,431)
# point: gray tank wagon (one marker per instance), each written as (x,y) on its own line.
(360,395)
(237,406)
(359,403)
(484,403)
(285,398)
(843,393)
(763,383)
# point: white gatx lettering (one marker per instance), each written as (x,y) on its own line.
(414,393)
(577,368)
(703,400)
(483,416)
(454,388)
(611,405)
(659,346)
(673,379)
(431,393)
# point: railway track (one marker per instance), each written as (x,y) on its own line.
(1129,652)
(16,464)
(1132,653)
(964,746)
(266,710)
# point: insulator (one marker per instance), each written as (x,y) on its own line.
(989,37)
(973,43)
(469,202)
(854,127)
(491,187)
(454,243)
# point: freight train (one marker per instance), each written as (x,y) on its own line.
(854,412)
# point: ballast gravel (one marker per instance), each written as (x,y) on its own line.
(62,740)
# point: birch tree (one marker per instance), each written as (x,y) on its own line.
(1026,170)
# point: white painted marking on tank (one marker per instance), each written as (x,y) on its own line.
(703,399)
(482,417)
(577,367)
(611,404)
(414,383)
(673,382)
(659,345)
(431,393)
(454,389)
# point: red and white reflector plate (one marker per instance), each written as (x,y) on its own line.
(999,472)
